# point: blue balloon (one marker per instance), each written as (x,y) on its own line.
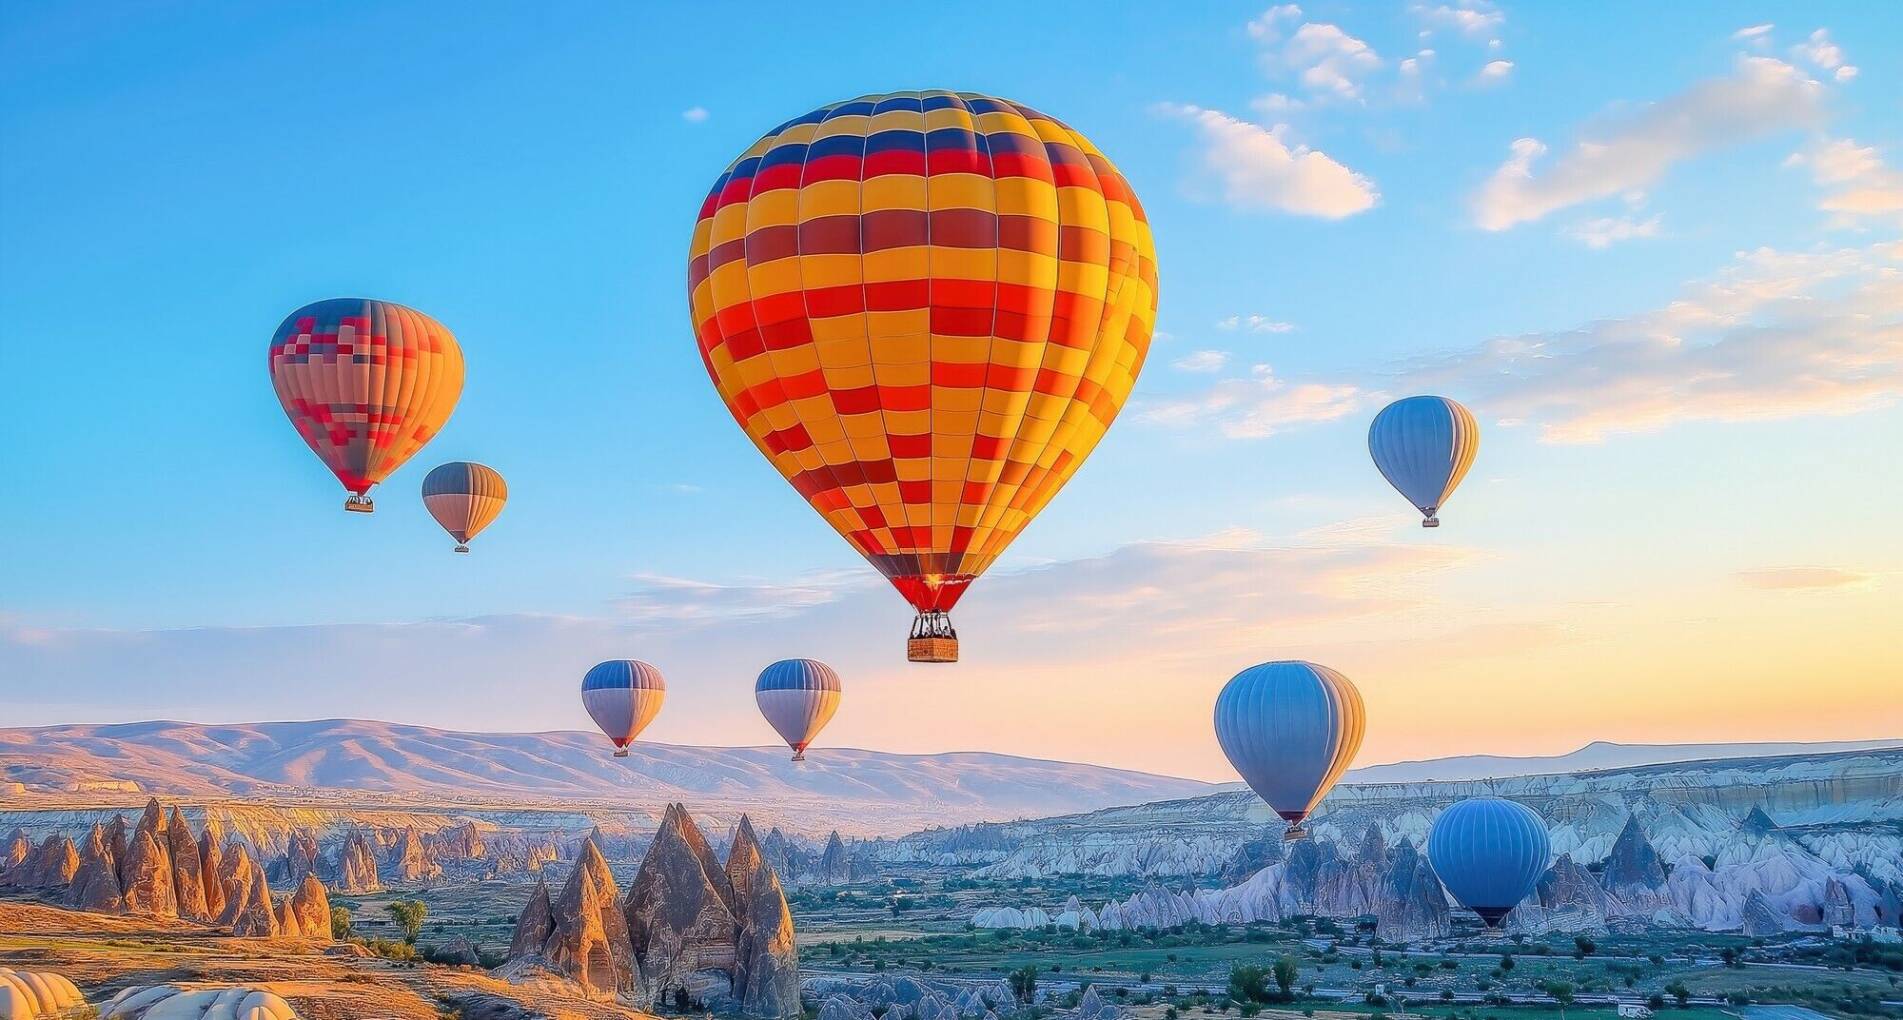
(1489,853)
(1290,729)
(1424,446)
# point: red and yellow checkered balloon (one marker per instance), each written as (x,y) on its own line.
(925,309)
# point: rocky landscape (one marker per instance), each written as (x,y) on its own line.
(690,932)
(1754,845)
(160,868)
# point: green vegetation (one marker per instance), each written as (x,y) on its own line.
(409,915)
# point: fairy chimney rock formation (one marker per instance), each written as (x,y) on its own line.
(411,861)
(145,877)
(357,866)
(188,872)
(311,905)
(95,885)
(581,936)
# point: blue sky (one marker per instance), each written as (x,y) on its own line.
(1655,247)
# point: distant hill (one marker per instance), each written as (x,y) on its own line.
(1600,754)
(377,762)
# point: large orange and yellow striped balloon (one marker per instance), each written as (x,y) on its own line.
(925,309)
(367,383)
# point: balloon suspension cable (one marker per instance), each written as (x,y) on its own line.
(799,755)
(357,503)
(1432,517)
(932,639)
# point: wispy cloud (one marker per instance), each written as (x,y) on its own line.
(694,114)
(1474,18)
(1804,578)
(1754,35)
(1254,324)
(1761,96)
(1604,232)
(1258,406)
(1858,184)
(1494,72)
(1257,170)
(1201,361)
(1821,53)
(1776,335)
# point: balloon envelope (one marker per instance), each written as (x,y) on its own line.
(366,383)
(925,309)
(1489,853)
(1424,446)
(797,697)
(1290,729)
(623,696)
(464,498)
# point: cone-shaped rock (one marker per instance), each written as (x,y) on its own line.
(311,904)
(357,866)
(146,876)
(255,916)
(96,884)
(534,925)
(211,859)
(188,872)
(766,973)
(679,919)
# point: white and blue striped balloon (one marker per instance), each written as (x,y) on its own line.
(1424,446)
(797,697)
(623,696)
(1290,729)
(1489,853)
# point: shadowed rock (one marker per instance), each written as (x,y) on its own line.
(211,859)
(146,876)
(679,913)
(1634,874)
(188,872)
(96,884)
(533,925)
(1412,904)
(17,849)
(411,861)
(117,840)
(300,856)
(582,935)
(835,864)
(311,905)
(766,976)
(357,866)
(254,917)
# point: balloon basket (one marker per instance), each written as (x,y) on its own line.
(621,752)
(462,548)
(359,505)
(1293,833)
(799,755)
(1431,522)
(932,639)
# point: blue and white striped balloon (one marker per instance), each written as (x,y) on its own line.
(1290,729)
(1424,446)
(797,697)
(1489,853)
(623,696)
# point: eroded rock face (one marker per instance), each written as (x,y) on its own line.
(255,916)
(582,935)
(188,871)
(1634,874)
(145,877)
(766,976)
(459,843)
(1567,898)
(1253,856)
(411,861)
(211,859)
(95,885)
(357,866)
(301,855)
(835,864)
(680,914)
(311,905)
(1412,903)
(17,849)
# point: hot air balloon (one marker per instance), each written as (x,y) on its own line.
(1489,853)
(367,383)
(1290,729)
(1424,446)
(623,696)
(925,309)
(798,697)
(464,498)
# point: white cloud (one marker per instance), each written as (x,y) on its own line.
(1254,324)
(694,114)
(1754,35)
(1259,406)
(1605,232)
(1761,96)
(1776,335)
(1201,361)
(1259,171)
(1329,60)
(1494,71)
(1859,184)
(655,598)
(1268,25)
(1475,19)
(1819,52)
(1804,578)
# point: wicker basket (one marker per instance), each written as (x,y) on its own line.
(932,649)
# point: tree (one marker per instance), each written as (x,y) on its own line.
(1024,982)
(409,916)
(1656,1002)
(1729,955)
(1248,984)
(339,923)
(1562,993)
(1677,990)
(1583,946)
(1286,971)
(1506,961)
